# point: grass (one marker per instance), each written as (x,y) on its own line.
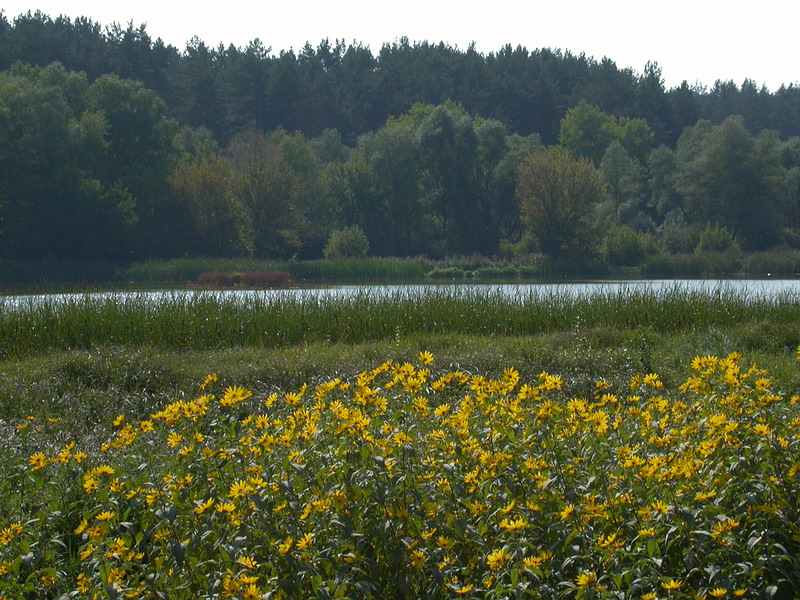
(181,271)
(206,321)
(88,386)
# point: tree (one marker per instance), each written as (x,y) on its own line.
(349,242)
(558,195)
(394,156)
(214,221)
(268,188)
(587,131)
(623,176)
(449,145)
(728,177)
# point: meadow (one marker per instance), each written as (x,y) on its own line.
(639,446)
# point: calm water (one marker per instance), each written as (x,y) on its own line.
(751,288)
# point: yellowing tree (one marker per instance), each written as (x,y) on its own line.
(558,195)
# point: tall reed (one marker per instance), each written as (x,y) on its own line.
(208,320)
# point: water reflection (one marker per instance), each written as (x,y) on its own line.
(749,288)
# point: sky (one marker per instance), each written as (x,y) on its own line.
(699,41)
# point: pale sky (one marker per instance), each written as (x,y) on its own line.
(699,41)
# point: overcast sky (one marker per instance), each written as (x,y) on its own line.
(699,41)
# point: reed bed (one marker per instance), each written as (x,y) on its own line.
(358,269)
(208,320)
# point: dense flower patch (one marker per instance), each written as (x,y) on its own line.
(407,483)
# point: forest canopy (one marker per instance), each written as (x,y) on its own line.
(117,146)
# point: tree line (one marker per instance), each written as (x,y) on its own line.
(125,148)
(349,88)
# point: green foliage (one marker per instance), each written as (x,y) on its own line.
(623,176)
(729,177)
(694,265)
(184,270)
(558,194)
(587,132)
(215,223)
(716,239)
(349,242)
(774,263)
(269,190)
(625,247)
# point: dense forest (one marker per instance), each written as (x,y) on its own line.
(120,147)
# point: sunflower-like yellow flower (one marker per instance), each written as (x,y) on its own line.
(425,357)
(418,559)
(497,558)
(248,562)
(204,506)
(586,579)
(304,543)
(515,524)
(671,585)
(37,461)
(286,545)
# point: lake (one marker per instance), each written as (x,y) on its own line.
(749,288)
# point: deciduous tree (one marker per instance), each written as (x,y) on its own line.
(558,195)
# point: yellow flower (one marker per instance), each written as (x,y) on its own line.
(762,430)
(209,379)
(251,592)
(659,507)
(240,488)
(174,439)
(508,507)
(10,532)
(234,395)
(248,562)
(700,496)
(105,515)
(37,461)
(81,527)
(462,589)
(567,511)
(418,559)
(225,507)
(497,559)
(671,584)
(425,357)
(86,551)
(285,545)
(586,579)
(718,592)
(534,562)
(304,543)
(204,506)
(514,524)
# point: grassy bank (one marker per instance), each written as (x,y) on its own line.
(88,386)
(181,271)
